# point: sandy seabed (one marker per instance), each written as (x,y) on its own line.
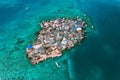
(22,30)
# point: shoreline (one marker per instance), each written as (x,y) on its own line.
(55,37)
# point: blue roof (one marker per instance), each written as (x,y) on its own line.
(30,46)
(79,22)
(74,28)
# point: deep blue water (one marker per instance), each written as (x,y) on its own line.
(97,58)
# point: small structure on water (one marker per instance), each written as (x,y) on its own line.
(56,35)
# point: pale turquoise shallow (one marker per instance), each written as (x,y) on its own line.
(20,29)
(97,58)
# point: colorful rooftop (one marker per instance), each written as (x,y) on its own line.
(56,36)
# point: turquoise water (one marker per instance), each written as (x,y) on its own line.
(97,58)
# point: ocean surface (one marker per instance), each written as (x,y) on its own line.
(96,58)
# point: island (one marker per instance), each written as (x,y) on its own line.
(56,36)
